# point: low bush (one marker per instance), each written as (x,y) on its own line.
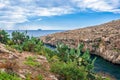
(69,71)
(19,37)
(4,37)
(73,64)
(6,76)
(31,61)
(22,42)
(32,45)
(37,77)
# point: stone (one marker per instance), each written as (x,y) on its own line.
(105,39)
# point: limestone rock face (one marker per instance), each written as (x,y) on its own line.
(102,40)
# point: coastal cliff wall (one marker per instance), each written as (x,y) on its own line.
(102,40)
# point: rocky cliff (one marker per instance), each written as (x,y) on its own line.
(102,40)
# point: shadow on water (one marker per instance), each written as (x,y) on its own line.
(104,66)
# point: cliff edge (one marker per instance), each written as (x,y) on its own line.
(102,40)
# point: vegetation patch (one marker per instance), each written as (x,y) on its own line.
(31,61)
(4,37)
(67,63)
(116,50)
(69,71)
(6,76)
(38,77)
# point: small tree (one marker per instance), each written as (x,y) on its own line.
(4,37)
(18,37)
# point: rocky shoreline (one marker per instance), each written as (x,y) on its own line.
(102,40)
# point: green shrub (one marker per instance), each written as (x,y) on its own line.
(6,76)
(39,46)
(29,45)
(19,37)
(10,42)
(31,61)
(4,37)
(30,77)
(48,52)
(54,58)
(26,44)
(69,71)
(18,47)
(32,45)
(73,64)
(39,77)
(67,54)
(63,52)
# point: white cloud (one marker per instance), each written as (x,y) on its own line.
(14,11)
(39,19)
(52,11)
(99,5)
(18,11)
(7,26)
(2,5)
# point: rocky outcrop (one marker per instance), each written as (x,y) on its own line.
(102,40)
(3,49)
(14,62)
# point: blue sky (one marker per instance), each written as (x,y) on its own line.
(56,14)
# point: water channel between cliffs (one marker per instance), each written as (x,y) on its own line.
(103,66)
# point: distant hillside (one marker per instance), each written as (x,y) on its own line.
(102,40)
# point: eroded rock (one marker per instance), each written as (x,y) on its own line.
(102,40)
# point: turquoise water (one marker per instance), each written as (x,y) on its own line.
(101,65)
(106,67)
